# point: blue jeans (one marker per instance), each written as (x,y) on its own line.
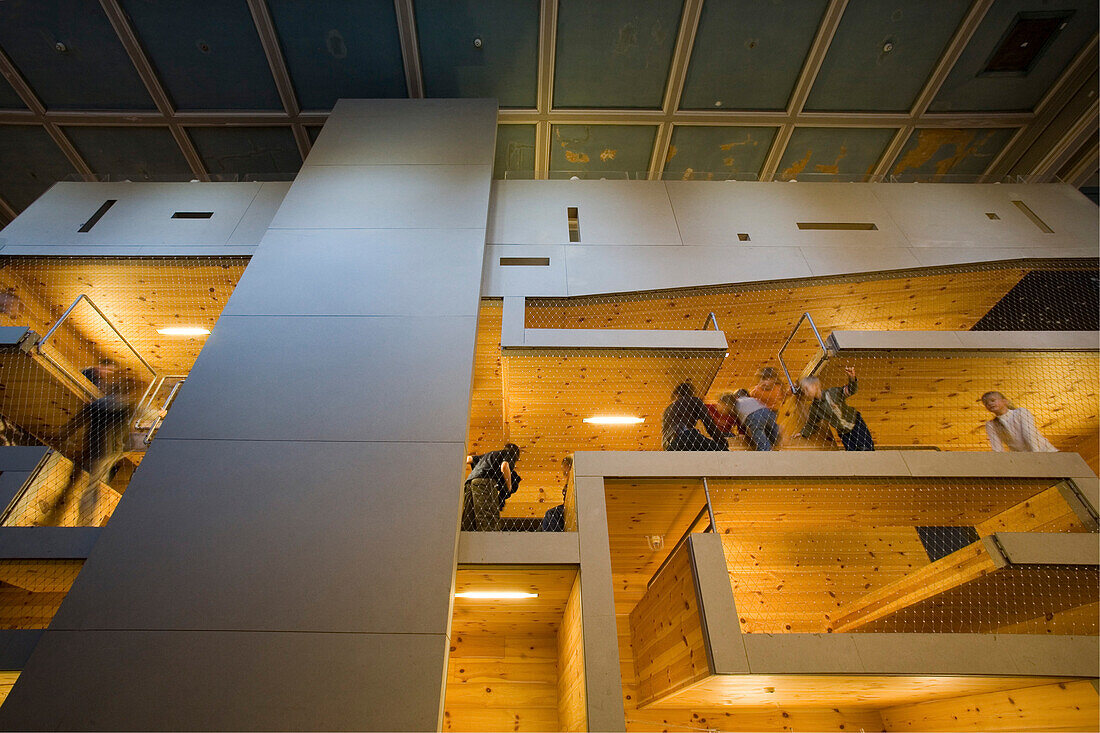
(859,438)
(762,429)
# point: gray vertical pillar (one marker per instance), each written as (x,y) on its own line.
(285,556)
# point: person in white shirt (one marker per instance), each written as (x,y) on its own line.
(1013,428)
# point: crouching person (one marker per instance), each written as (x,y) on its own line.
(490,483)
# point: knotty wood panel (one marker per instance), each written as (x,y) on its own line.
(934,398)
(7,681)
(1044,512)
(667,632)
(572,694)
(838,690)
(1050,707)
(37,396)
(30,508)
(756,319)
(502,672)
(40,576)
(23,609)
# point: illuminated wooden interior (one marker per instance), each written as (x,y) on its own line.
(515,664)
(139,295)
(32,590)
(539,404)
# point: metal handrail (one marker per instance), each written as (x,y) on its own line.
(711,319)
(106,320)
(164,408)
(708,511)
(805,317)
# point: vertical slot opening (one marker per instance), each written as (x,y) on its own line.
(574,224)
(87,227)
(1034,217)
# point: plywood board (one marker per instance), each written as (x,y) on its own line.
(572,692)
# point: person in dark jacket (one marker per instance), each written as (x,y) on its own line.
(678,430)
(554,518)
(491,482)
(830,406)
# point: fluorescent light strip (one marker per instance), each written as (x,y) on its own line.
(613,420)
(495,594)
(183,331)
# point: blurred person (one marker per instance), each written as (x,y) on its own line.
(103,425)
(10,304)
(769,390)
(1013,428)
(678,421)
(554,518)
(491,482)
(101,373)
(757,420)
(724,415)
(830,406)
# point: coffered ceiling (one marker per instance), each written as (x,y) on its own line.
(704,89)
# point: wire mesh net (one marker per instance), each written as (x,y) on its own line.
(642,372)
(94,352)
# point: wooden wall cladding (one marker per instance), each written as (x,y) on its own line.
(667,635)
(503,670)
(31,591)
(1044,707)
(544,418)
(572,695)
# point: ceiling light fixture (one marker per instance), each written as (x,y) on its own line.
(613,420)
(495,594)
(183,331)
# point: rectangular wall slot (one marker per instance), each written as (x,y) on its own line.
(97,215)
(192,214)
(574,224)
(524,261)
(858,226)
(743,236)
(1034,217)
(991,215)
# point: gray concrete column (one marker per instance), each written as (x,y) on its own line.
(285,556)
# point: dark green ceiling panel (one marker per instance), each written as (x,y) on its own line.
(505,65)
(313,131)
(92,71)
(704,153)
(253,153)
(340,48)
(612,149)
(747,55)
(31,162)
(515,152)
(883,52)
(8,98)
(136,153)
(945,151)
(832,153)
(967,90)
(614,54)
(206,52)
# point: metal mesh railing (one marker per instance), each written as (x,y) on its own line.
(554,400)
(94,352)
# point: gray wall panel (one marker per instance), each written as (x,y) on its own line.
(445,261)
(229,681)
(329,378)
(386,197)
(278,536)
(376,132)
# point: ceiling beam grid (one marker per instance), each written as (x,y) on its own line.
(410,48)
(674,87)
(144,67)
(1085,167)
(1077,136)
(269,39)
(548,41)
(970,22)
(806,78)
(38,115)
(7,211)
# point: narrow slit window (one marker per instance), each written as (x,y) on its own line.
(855,226)
(574,224)
(192,214)
(991,215)
(524,261)
(1034,217)
(743,236)
(87,227)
